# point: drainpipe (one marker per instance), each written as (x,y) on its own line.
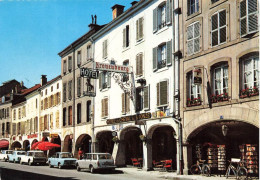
(73,105)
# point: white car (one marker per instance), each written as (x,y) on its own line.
(33,157)
(4,153)
(96,161)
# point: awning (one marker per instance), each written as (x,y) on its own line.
(44,145)
(4,143)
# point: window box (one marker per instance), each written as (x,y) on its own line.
(194,102)
(219,97)
(248,92)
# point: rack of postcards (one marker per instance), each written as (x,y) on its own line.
(249,154)
(198,151)
(221,158)
(212,157)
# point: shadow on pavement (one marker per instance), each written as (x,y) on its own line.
(104,171)
(11,174)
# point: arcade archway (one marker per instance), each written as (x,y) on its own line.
(55,140)
(26,145)
(83,142)
(104,142)
(67,146)
(16,145)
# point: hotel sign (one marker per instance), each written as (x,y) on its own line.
(112,67)
(89,73)
(136,117)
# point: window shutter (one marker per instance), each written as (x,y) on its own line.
(190,42)
(141,64)
(103,108)
(252,16)
(243,20)
(214,31)
(189,7)
(155,59)
(163,93)
(147,97)
(138,100)
(158,93)
(127,102)
(169,52)
(79,58)
(222,25)
(106,107)
(103,49)
(155,19)
(79,86)
(100,80)
(168,12)
(124,37)
(137,30)
(141,28)
(108,80)
(123,103)
(106,48)
(137,64)
(59,97)
(197,36)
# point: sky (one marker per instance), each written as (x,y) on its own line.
(33,32)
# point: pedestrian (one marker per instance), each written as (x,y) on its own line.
(80,153)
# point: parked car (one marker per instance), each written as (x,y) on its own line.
(34,157)
(16,156)
(62,159)
(4,153)
(96,161)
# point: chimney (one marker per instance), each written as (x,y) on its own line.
(43,80)
(134,2)
(117,10)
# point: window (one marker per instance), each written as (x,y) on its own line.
(64,117)
(57,119)
(139,64)
(7,112)
(126,37)
(70,90)
(162,15)
(104,103)
(46,103)
(64,66)
(46,92)
(104,80)
(3,129)
(142,98)
(79,86)
(8,127)
(104,46)
(139,29)
(250,71)
(194,90)
(70,115)
(52,101)
(19,113)
(125,103)
(88,111)
(51,120)
(79,58)
(46,124)
(162,55)
(14,128)
(36,103)
(193,38)
(36,124)
(125,76)
(31,125)
(218,28)
(220,79)
(78,113)
(23,112)
(193,6)
(14,114)
(51,88)
(162,93)
(89,57)
(70,63)
(248,17)
(58,98)
(58,85)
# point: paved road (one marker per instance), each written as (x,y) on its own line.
(10,171)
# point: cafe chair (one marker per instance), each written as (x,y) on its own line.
(167,165)
(157,164)
(135,162)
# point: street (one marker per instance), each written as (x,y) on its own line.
(10,171)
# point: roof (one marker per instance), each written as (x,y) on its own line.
(30,90)
(51,81)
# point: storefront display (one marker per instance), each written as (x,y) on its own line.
(221,157)
(250,156)
(212,157)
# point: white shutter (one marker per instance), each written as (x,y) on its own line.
(141,28)
(147,97)
(137,30)
(189,39)
(137,65)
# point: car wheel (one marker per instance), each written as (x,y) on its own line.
(30,163)
(21,162)
(60,166)
(78,168)
(50,166)
(92,170)
(14,161)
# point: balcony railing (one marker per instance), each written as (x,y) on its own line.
(162,64)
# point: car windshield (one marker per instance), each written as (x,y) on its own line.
(39,154)
(20,153)
(66,155)
(104,156)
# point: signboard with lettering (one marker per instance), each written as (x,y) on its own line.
(54,135)
(112,67)
(32,136)
(136,117)
(89,73)
(90,94)
(45,134)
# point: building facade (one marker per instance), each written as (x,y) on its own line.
(219,81)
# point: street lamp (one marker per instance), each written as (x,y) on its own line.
(224,130)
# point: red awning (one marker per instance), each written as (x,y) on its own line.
(44,145)
(4,143)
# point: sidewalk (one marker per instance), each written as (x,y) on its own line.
(169,175)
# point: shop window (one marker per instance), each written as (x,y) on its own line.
(220,82)
(104,103)
(89,57)
(248,17)
(125,103)
(139,64)
(79,86)
(193,6)
(70,63)
(142,98)
(64,117)
(193,38)
(250,76)
(139,29)
(79,58)
(64,66)
(88,111)
(104,47)
(64,92)
(162,55)
(78,113)
(70,116)
(218,28)
(126,37)
(104,80)
(162,93)
(193,92)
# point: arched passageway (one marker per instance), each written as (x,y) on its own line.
(16,145)
(55,140)
(83,142)
(67,146)
(104,142)
(26,145)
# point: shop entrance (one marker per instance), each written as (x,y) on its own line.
(83,142)
(67,146)
(55,141)
(133,144)
(218,142)
(26,145)
(164,145)
(105,142)
(16,145)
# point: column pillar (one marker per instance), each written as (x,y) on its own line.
(187,158)
(177,156)
(147,155)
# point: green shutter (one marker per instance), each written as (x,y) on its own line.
(100,80)
(169,52)
(137,30)
(163,93)
(146,97)
(155,59)
(168,12)
(108,80)
(155,20)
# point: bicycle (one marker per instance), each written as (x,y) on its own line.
(239,171)
(200,168)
